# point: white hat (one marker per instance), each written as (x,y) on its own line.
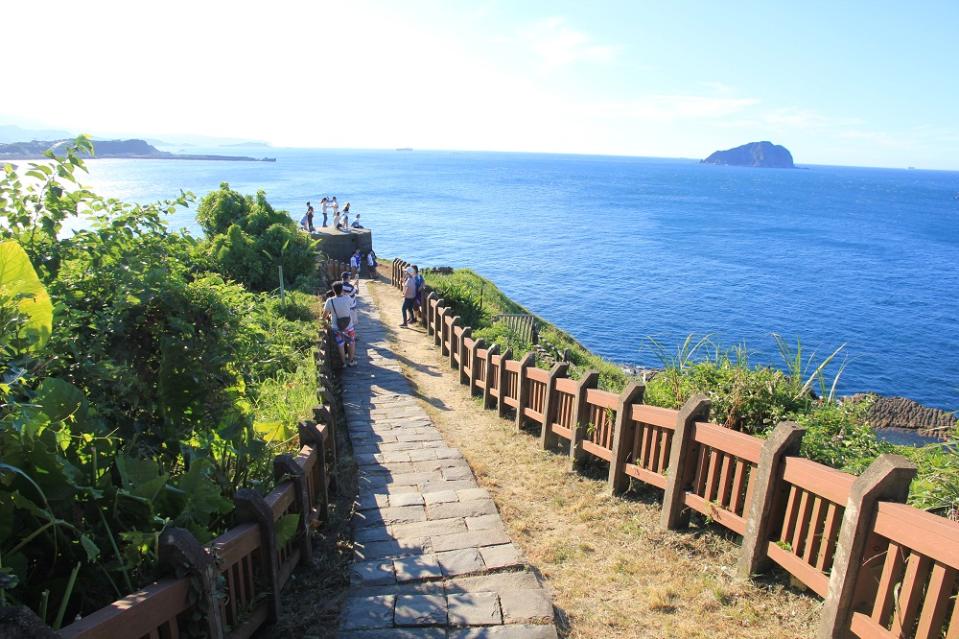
(409,269)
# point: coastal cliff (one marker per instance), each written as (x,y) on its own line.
(129,149)
(755,154)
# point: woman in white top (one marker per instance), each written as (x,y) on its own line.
(335,205)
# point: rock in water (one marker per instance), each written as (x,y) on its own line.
(900,412)
(761,154)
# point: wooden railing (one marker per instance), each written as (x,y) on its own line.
(885,569)
(233,583)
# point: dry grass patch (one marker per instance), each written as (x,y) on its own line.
(612,570)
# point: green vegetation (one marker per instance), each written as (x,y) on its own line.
(745,397)
(145,376)
(477,301)
(252,243)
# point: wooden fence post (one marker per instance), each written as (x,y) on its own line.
(675,515)
(488,375)
(886,479)
(473,376)
(315,438)
(424,306)
(285,467)
(580,414)
(501,383)
(784,440)
(632,394)
(252,508)
(453,352)
(440,336)
(325,415)
(521,394)
(546,437)
(463,353)
(430,315)
(180,552)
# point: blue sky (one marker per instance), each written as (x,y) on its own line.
(861,83)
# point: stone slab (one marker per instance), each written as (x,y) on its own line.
(420,610)
(474,609)
(526,606)
(368,612)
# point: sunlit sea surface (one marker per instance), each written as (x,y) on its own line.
(616,250)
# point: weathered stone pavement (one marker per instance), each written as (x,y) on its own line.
(433,558)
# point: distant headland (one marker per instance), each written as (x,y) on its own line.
(128,149)
(759,154)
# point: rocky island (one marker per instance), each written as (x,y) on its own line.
(128,149)
(759,154)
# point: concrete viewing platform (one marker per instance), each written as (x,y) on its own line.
(432,556)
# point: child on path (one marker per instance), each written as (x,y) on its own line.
(350,290)
(337,311)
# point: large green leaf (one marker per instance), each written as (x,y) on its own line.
(141,477)
(203,499)
(59,399)
(19,282)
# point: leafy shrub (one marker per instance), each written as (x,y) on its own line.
(839,435)
(249,240)
(140,409)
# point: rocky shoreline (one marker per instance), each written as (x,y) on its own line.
(906,414)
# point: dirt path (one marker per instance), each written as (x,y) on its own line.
(612,571)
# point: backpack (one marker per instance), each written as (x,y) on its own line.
(342,323)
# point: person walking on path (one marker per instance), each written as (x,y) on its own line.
(409,296)
(337,311)
(309,217)
(371,263)
(355,262)
(324,203)
(350,290)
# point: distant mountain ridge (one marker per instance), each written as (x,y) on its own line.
(129,149)
(756,154)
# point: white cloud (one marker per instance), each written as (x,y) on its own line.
(558,45)
(805,118)
(668,108)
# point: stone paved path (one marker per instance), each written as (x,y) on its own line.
(432,556)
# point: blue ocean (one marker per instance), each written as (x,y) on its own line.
(617,250)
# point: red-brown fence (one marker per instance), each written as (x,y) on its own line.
(885,569)
(233,583)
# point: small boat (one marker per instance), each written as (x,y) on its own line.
(405,148)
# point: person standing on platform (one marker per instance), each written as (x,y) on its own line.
(324,203)
(346,221)
(309,217)
(409,296)
(335,205)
